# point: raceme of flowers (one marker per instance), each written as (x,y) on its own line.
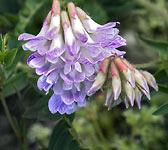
(68,52)
(127,83)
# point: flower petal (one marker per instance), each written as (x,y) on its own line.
(78,67)
(67,97)
(57,88)
(52,77)
(54,103)
(71,108)
(37,62)
(67,85)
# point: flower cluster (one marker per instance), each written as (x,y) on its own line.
(127,83)
(67,54)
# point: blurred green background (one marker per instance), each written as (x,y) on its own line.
(97,128)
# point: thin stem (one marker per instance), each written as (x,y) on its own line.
(9,115)
(153,64)
(23,146)
(99,132)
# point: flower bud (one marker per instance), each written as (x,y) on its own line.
(138,96)
(125,71)
(109,97)
(128,64)
(129,92)
(140,80)
(77,26)
(116,81)
(82,15)
(110,102)
(71,44)
(147,94)
(150,79)
(101,77)
(55,8)
(55,20)
(88,23)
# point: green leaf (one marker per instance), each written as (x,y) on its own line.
(14,78)
(40,111)
(163,88)
(10,56)
(15,83)
(160,46)
(162,110)
(63,137)
(16,60)
(27,13)
(10,6)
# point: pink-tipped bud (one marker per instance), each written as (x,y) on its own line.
(82,15)
(98,83)
(55,20)
(127,73)
(101,77)
(71,44)
(140,80)
(114,70)
(131,67)
(90,25)
(55,8)
(116,81)
(110,103)
(109,97)
(104,65)
(147,94)
(77,26)
(65,19)
(129,92)
(150,79)
(72,10)
(120,64)
(138,96)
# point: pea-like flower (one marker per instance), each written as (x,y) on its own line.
(67,55)
(126,82)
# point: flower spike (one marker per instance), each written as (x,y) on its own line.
(72,57)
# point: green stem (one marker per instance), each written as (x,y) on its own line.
(100,134)
(23,146)
(153,64)
(3,101)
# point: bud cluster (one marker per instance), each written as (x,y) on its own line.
(127,83)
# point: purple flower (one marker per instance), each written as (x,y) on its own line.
(68,54)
